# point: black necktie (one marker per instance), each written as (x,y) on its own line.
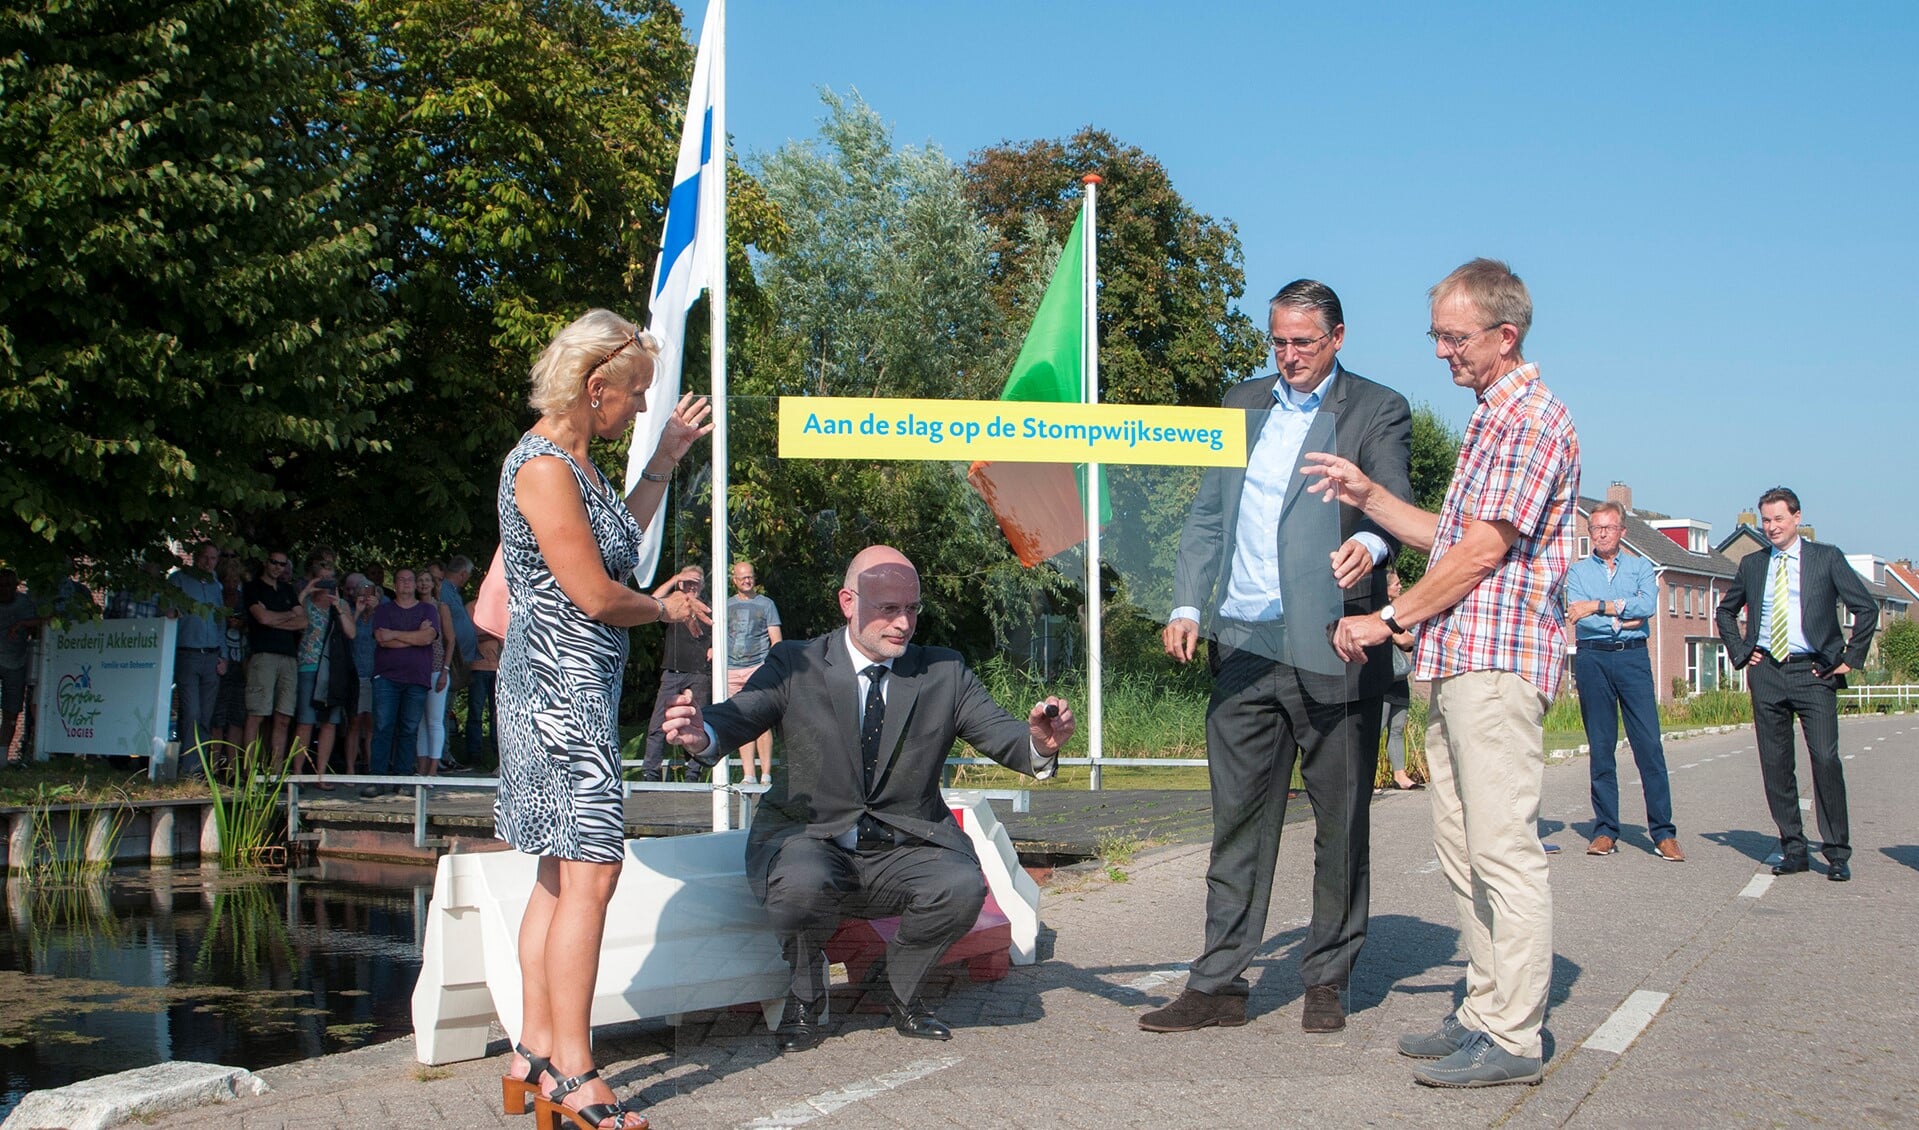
(875,718)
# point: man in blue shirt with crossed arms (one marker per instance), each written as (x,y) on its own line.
(1609,596)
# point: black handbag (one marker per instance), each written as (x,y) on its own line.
(339,684)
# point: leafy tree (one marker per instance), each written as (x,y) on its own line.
(520,155)
(881,289)
(1169,274)
(186,298)
(1899,650)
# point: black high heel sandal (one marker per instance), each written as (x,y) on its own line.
(514,1092)
(550,1109)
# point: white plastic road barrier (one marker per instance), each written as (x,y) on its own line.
(684,933)
(1014,890)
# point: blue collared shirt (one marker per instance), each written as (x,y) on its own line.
(208,628)
(1252,589)
(1796,641)
(1629,580)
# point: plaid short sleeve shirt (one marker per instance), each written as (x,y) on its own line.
(1518,464)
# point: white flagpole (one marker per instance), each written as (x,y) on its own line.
(722,809)
(1089,367)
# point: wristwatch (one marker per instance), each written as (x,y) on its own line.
(1386,614)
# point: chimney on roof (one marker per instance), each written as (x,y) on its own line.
(1619,492)
(1748,518)
(1904,563)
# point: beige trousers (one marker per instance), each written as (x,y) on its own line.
(1485,752)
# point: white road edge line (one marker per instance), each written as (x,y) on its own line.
(1756,887)
(1627,1021)
(826,1102)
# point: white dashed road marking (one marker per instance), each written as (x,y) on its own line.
(827,1102)
(1627,1021)
(1757,887)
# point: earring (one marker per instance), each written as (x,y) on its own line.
(596,402)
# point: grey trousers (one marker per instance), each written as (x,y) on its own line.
(1260,721)
(197,676)
(936,891)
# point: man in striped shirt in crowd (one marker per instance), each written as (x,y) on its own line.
(1492,644)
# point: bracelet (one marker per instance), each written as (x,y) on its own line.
(661,605)
(651,477)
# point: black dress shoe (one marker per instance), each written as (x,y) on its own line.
(915,1020)
(799,1027)
(1790,867)
(1839,873)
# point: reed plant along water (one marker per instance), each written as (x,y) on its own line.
(246,809)
(57,860)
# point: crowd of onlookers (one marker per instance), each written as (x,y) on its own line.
(395,678)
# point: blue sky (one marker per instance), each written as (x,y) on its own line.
(1716,206)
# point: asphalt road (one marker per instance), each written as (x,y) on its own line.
(1767,1002)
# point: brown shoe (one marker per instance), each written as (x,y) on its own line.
(1668,850)
(1195,1010)
(1323,1011)
(1602,845)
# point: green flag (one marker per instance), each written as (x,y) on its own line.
(1051,363)
(1041,506)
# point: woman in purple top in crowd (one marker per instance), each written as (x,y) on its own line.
(404,630)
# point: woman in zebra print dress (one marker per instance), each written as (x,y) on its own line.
(569,541)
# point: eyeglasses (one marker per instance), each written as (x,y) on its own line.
(1604,529)
(891,611)
(280,562)
(1457,342)
(1303,345)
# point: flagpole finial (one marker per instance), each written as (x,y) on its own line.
(1090,178)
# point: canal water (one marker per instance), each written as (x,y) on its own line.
(151,965)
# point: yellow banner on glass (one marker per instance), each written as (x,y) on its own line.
(1009,431)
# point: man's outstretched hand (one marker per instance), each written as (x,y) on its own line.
(683,725)
(1051,723)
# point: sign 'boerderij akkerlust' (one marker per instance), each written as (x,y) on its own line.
(106,687)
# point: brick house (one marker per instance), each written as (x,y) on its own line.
(1692,575)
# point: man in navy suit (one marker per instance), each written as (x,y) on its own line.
(853,822)
(1796,661)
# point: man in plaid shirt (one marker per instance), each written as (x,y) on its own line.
(1492,644)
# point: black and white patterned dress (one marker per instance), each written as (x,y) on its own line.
(559,683)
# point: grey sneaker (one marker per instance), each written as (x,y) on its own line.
(1480,1063)
(1435,1045)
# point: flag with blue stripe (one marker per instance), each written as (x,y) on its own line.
(692,255)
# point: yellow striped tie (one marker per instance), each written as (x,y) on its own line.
(1777,641)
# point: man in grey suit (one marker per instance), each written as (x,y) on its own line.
(1796,661)
(1253,564)
(853,822)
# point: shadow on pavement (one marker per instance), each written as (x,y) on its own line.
(1907,854)
(1754,845)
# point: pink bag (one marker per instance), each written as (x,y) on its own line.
(489,607)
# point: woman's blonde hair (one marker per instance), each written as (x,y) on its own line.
(576,352)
